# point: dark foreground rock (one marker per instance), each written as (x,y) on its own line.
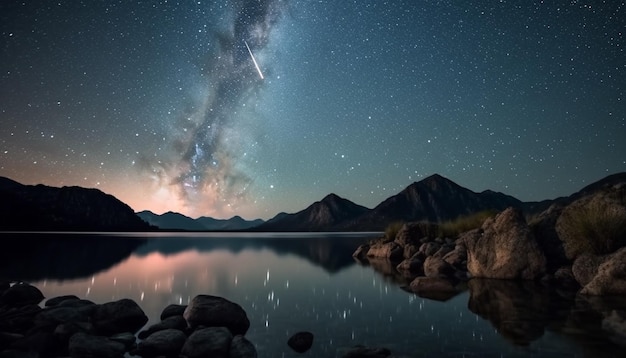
(301,341)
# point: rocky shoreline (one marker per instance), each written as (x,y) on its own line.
(67,326)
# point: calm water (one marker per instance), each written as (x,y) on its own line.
(288,283)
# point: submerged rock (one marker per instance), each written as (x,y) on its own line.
(301,341)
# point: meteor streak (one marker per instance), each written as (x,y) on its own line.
(254,60)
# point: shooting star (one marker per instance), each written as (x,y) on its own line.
(254,60)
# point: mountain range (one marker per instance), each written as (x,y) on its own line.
(434,199)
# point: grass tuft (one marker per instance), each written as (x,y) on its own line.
(453,228)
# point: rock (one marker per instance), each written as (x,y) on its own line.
(389,250)
(127,339)
(409,250)
(504,248)
(57,300)
(457,257)
(83,345)
(411,233)
(437,267)
(413,265)
(429,248)
(615,325)
(361,251)
(240,347)
(213,311)
(172,322)
(211,342)
(610,278)
(64,331)
(443,251)
(585,267)
(21,294)
(173,310)
(19,319)
(118,317)
(57,315)
(167,342)
(301,341)
(366,352)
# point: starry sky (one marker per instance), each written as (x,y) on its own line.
(160,102)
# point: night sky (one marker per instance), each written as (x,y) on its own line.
(160,102)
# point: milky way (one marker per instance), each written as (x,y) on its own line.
(202,165)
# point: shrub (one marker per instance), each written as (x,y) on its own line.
(392,230)
(596,226)
(453,228)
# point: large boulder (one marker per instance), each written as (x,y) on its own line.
(212,342)
(389,250)
(610,278)
(120,316)
(167,342)
(504,248)
(84,345)
(214,311)
(21,294)
(241,347)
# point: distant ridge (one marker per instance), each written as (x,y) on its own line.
(45,208)
(324,215)
(175,221)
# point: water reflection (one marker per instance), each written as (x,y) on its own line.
(312,284)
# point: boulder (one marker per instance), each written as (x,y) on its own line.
(208,342)
(82,345)
(429,248)
(301,341)
(504,248)
(173,310)
(172,322)
(610,278)
(413,265)
(389,250)
(119,316)
(214,311)
(585,267)
(240,347)
(361,251)
(411,233)
(57,300)
(437,267)
(167,342)
(21,294)
(457,257)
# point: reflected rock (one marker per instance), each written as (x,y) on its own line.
(388,270)
(366,352)
(518,310)
(435,288)
(615,325)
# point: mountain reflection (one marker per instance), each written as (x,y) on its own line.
(34,256)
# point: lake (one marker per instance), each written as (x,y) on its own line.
(309,282)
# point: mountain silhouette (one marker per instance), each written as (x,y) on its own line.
(44,208)
(175,221)
(324,215)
